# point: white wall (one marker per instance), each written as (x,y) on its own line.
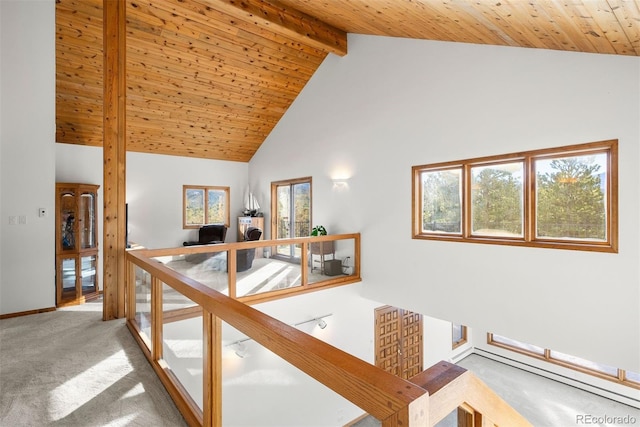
(394,103)
(154,195)
(27,135)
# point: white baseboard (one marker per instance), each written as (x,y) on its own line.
(458,357)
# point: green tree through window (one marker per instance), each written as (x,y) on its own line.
(497,203)
(571,200)
(442,204)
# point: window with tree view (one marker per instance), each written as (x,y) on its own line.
(205,205)
(563,198)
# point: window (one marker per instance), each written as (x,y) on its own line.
(632,377)
(520,347)
(459,335)
(599,370)
(560,198)
(205,205)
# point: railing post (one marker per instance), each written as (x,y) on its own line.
(467,416)
(156,318)
(212,370)
(419,412)
(232,266)
(130,287)
(416,414)
(304,264)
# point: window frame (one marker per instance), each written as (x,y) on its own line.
(547,356)
(529,238)
(205,189)
(463,339)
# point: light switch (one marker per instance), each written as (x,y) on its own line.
(42,212)
(13,220)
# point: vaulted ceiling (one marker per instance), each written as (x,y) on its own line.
(211,78)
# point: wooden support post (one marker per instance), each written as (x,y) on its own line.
(212,355)
(114,157)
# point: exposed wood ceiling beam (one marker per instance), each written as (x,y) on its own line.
(288,22)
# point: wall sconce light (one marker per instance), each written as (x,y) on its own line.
(319,321)
(340,184)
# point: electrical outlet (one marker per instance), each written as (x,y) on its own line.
(22,219)
(13,220)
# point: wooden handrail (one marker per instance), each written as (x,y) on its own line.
(377,392)
(220,247)
(451,386)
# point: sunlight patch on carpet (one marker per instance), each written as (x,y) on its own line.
(81,389)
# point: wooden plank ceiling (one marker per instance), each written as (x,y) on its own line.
(211,78)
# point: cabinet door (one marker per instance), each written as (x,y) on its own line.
(67,279)
(67,217)
(87,220)
(88,276)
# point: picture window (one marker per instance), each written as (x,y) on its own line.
(563,198)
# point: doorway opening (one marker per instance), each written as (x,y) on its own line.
(291,213)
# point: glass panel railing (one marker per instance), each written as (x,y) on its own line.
(182,341)
(208,268)
(143,302)
(259,267)
(266,381)
(259,388)
(330,260)
(267,274)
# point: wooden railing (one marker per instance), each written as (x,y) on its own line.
(390,399)
(451,387)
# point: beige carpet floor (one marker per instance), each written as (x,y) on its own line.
(70,368)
